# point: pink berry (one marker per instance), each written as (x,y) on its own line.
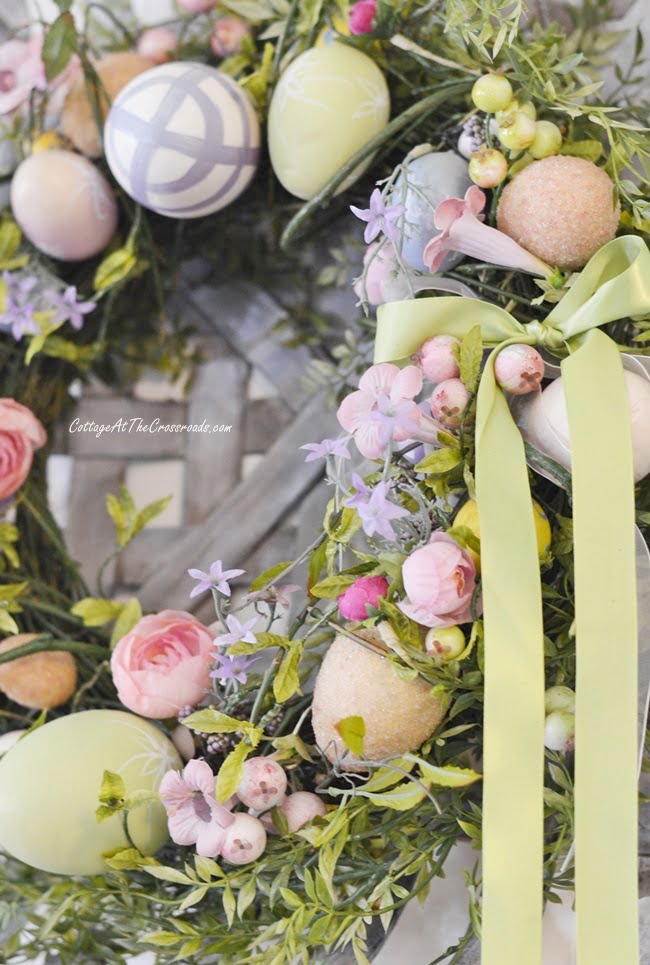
(366,590)
(519,369)
(245,840)
(301,808)
(448,402)
(197,6)
(158,44)
(437,358)
(263,784)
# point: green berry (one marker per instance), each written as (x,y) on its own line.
(547,140)
(444,644)
(559,698)
(559,731)
(529,109)
(492,93)
(517,131)
(488,167)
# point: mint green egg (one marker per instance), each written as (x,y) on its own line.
(49,790)
(328,103)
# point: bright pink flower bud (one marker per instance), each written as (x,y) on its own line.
(365,591)
(448,402)
(362,16)
(519,369)
(439,579)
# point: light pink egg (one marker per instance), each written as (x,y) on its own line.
(64,205)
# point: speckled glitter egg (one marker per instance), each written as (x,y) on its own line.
(78,119)
(399,715)
(64,205)
(560,209)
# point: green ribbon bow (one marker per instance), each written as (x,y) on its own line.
(615,284)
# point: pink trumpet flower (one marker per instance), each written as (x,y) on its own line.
(460,222)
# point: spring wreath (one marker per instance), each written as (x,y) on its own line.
(462,664)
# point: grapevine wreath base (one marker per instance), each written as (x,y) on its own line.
(275,787)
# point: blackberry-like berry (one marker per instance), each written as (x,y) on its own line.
(218,744)
(272,726)
(185,712)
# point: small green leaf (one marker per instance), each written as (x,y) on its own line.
(128,859)
(7,622)
(332,587)
(286,681)
(352,731)
(161,938)
(230,772)
(211,721)
(130,614)
(10,238)
(96,612)
(439,461)
(447,776)
(471,356)
(401,798)
(115,268)
(289,745)
(264,641)
(268,575)
(112,788)
(169,874)
(59,45)
(246,896)
(229,905)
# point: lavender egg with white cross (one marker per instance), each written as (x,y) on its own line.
(183,139)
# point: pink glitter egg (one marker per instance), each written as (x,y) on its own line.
(158,44)
(519,369)
(64,205)
(263,784)
(437,359)
(560,209)
(448,402)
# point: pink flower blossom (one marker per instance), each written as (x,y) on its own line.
(460,223)
(193,815)
(162,664)
(439,579)
(158,44)
(365,591)
(21,72)
(385,392)
(362,16)
(21,434)
(228,36)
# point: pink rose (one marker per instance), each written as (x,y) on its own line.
(364,591)
(20,435)
(228,35)
(162,664)
(362,16)
(439,579)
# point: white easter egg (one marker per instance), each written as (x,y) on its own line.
(49,790)
(328,103)
(64,205)
(183,139)
(428,180)
(547,424)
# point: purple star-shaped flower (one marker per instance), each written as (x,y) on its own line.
(393,417)
(68,309)
(328,447)
(18,316)
(232,668)
(362,494)
(377,512)
(238,631)
(216,577)
(379,217)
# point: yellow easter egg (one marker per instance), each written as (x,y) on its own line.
(467,516)
(329,102)
(399,715)
(49,790)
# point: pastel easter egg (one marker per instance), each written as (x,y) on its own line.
(328,103)
(183,139)
(49,789)
(353,681)
(547,423)
(428,180)
(64,205)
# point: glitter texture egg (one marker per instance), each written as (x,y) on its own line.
(49,789)
(78,118)
(560,209)
(547,423)
(64,205)
(328,103)
(183,139)
(399,715)
(428,180)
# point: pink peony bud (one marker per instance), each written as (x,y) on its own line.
(448,402)
(263,784)
(362,16)
(437,358)
(439,579)
(301,808)
(158,44)
(364,592)
(519,369)
(228,35)
(244,841)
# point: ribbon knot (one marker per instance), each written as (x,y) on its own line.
(546,336)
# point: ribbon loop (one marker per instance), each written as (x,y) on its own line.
(545,335)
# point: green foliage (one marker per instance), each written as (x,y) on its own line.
(352,731)
(59,44)
(128,520)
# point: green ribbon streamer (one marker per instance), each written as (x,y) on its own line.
(614,285)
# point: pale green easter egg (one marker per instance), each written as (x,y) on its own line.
(49,790)
(328,103)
